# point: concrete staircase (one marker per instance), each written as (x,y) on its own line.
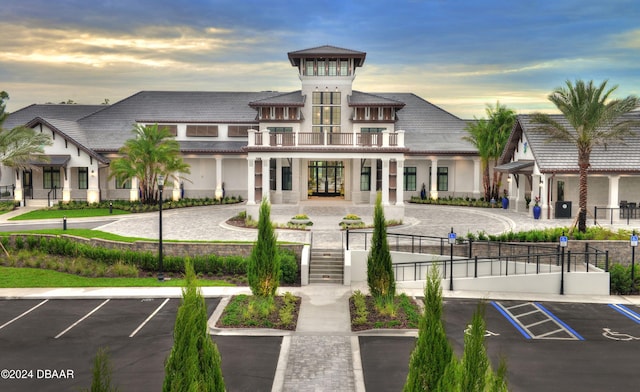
(38,203)
(326,266)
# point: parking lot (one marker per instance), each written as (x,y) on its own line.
(50,344)
(547,346)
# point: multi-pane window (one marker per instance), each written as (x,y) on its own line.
(372,130)
(239,130)
(202,130)
(309,65)
(344,67)
(365,178)
(409,178)
(280,129)
(51,177)
(333,67)
(83,178)
(326,112)
(321,70)
(443,178)
(287,179)
(122,183)
(272,174)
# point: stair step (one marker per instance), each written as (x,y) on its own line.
(326,266)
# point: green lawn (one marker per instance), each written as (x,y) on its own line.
(84,233)
(59,214)
(11,277)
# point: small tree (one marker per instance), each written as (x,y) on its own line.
(382,283)
(152,151)
(194,361)
(102,369)
(263,269)
(432,354)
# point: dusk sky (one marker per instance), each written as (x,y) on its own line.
(460,55)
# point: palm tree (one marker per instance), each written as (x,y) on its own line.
(594,120)
(152,152)
(490,136)
(479,133)
(20,145)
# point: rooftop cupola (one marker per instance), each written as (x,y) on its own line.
(326,61)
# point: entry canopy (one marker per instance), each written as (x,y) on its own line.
(517,167)
(54,160)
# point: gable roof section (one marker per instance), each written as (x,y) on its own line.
(71,132)
(326,51)
(562,157)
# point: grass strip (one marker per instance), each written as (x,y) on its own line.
(59,214)
(12,277)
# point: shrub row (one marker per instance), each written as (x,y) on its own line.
(620,278)
(139,207)
(147,261)
(593,233)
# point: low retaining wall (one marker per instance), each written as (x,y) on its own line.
(170,248)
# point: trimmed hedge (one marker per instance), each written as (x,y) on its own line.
(148,261)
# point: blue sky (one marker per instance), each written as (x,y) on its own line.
(460,55)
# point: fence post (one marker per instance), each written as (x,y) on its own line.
(568,261)
(606,261)
(470,248)
(475,268)
(537,264)
(595,215)
(348,238)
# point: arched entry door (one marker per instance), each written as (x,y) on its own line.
(326,178)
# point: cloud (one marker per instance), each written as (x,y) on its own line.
(627,40)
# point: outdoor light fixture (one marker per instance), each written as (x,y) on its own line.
(160,188)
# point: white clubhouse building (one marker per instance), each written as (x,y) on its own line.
(325,139)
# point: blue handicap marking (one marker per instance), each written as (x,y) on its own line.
(452,236)
(563,240)
(634,240)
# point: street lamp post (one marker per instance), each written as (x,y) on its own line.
(160,188)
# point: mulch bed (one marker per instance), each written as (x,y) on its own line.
(404,319)
(241,302)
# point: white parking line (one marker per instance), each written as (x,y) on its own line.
(23,314)
(148,318)
(79,321)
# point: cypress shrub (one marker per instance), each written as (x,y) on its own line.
(432,353)
(263,270)
(102,370)
(194,361)
(382,283)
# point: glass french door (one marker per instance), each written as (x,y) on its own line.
(326,178)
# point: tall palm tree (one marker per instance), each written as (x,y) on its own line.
(20,145)
(490,136)
(594,119)
(479,137)
(152,152)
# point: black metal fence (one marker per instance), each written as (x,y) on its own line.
(624,213)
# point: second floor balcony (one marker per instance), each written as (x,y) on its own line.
(318,139)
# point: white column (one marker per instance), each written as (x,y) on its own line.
(277,198)
(614,195)
(218,191)
(18,192)
(536,190)
(265,179)
(385,181)
(400,182)
(93,191)
(66,183)
(477,178)
(434,179)
(374,174)
(251,181)
(544,203)
(385,138)
(134,192)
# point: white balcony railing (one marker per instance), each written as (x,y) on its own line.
(318,139)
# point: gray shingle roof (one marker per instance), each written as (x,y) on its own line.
(559,156)
(326,51)
(358,98)
(50,111)
(294,98)
(109,129)
(428,128)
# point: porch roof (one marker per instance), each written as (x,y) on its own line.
(516,167)
(54,161)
